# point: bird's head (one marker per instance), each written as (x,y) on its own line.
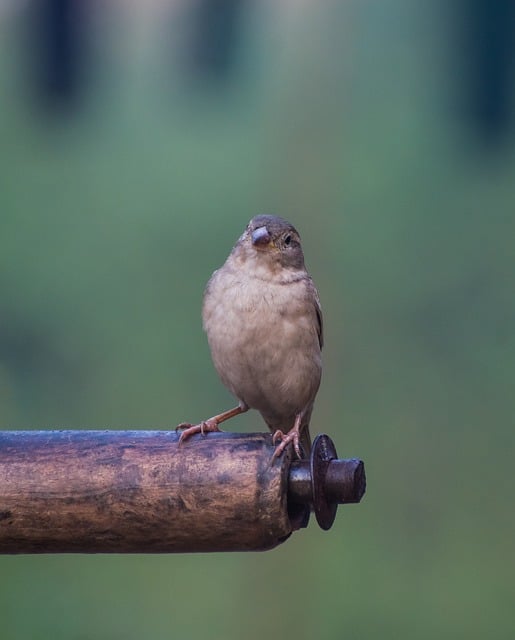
(273,240)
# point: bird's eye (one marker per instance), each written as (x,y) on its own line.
(287,240)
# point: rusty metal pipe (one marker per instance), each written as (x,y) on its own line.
(139,492)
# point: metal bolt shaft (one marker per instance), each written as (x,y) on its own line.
(324,481)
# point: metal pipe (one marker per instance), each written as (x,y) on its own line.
(139,492)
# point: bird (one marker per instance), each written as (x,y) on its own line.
(262,316)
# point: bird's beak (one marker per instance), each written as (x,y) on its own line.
(261,237)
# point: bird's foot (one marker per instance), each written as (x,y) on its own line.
(284,440)
(191,429)
(209,425)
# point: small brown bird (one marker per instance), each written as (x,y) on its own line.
(263,321)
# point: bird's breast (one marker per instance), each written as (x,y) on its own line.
(264,341)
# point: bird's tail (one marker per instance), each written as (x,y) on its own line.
(305,441)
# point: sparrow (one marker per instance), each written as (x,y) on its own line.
(261,313)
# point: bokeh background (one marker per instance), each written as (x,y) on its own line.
(136,140)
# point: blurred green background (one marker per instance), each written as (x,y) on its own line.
(124,184)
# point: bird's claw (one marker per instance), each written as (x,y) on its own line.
(191,429)
(284,440)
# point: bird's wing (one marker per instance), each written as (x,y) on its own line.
(320,318)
